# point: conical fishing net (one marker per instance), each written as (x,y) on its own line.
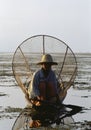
(29,53)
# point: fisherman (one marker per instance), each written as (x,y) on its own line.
(44,84)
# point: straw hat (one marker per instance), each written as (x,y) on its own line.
(47,58)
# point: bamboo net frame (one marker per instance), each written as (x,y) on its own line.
(29,53)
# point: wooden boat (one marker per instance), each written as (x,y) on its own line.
(28,53)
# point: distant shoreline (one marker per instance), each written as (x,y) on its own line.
(73,52)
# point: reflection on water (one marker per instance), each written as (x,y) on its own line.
(46,117)
(12,97)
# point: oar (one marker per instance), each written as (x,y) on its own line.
(75,108)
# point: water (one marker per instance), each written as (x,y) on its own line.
(12,98)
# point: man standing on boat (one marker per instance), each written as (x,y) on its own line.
(44,84)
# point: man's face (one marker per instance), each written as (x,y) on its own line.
(46,66)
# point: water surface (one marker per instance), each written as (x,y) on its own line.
(12,99)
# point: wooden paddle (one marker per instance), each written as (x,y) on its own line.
(75,108)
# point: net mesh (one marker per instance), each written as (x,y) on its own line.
(29,53)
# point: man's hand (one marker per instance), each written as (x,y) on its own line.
(35,101)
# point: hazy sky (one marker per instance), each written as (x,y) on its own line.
(68,20)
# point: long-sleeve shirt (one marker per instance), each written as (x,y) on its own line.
(39,77)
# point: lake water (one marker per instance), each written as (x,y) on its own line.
(12,98)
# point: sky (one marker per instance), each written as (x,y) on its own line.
(68,20)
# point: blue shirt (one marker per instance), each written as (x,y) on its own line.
(37,78)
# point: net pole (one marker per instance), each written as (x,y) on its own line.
(63,62)
(27,66)
(43,45)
